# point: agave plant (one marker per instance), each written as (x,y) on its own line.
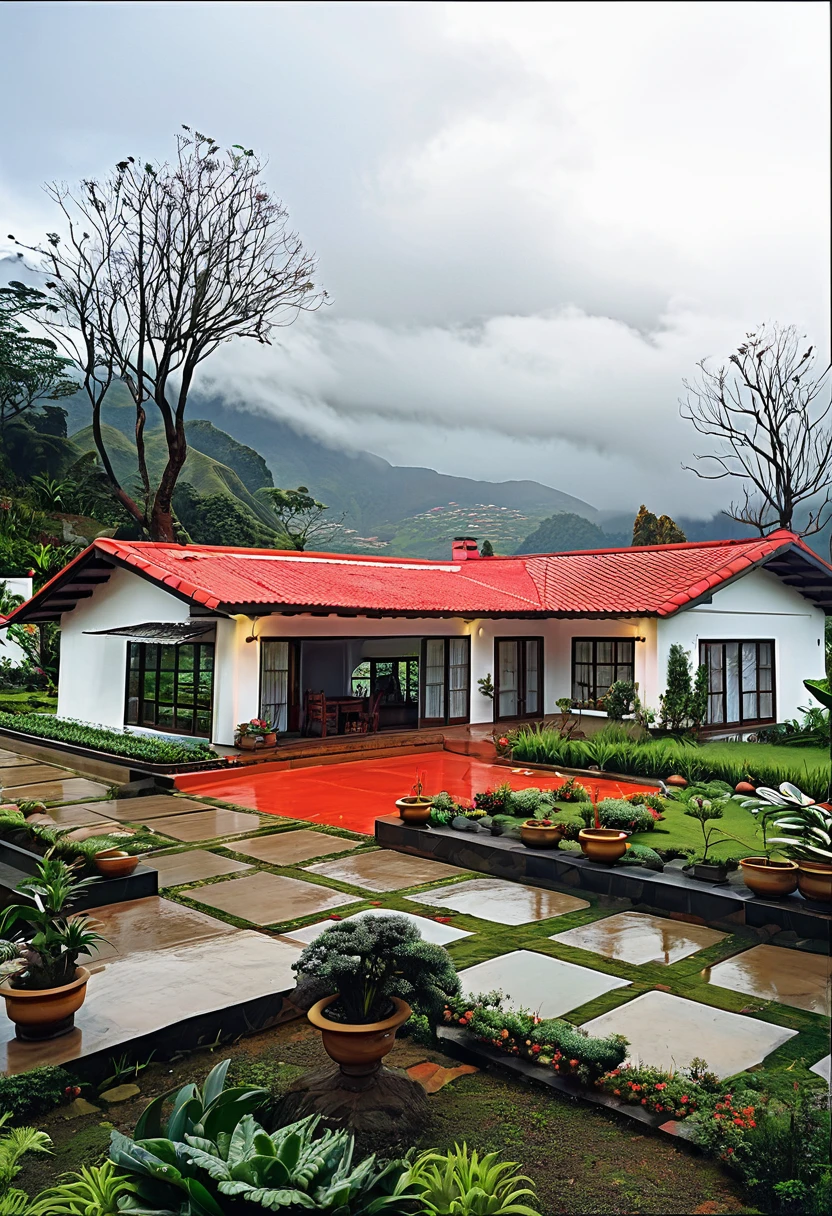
(461,1183)
(94,1191)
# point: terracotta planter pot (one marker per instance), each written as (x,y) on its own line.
(814,880)
(246,743)
(603,844)
(769,879)
(358,1049)
(676,780)
(745,787)
(45,1013)
(535,836)
(114,863)
(414,810)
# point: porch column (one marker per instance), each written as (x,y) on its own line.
(236,678)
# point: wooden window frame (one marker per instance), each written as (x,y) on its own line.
(445,720)
(595,639)
(293,706)
(521,676)
(143,647)
(742,721)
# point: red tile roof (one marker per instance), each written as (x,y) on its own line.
(643,581)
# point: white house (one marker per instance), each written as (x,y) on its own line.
(195,639)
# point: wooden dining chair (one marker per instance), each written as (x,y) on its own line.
(368,718)
(318,711)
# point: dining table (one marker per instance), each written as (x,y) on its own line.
(346,708)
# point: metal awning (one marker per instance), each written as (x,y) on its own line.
(168,633)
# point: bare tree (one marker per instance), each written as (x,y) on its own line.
(773,431)
(159,265)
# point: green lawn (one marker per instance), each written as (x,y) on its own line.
(13,701)
(679,831)
(813,760)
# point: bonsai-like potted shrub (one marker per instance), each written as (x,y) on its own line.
(415,806)
(375,970)
(605,845)
(42,984)
(806,828)
(706,812)
(258,732)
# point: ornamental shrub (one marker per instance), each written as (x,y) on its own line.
(675,1094)
(496,801)
(620,814)
(550,1042)
(35,1092)
(371,959)
(642,855)
(571,791)
(620,699)
(531,803)
(656,802)
(118,743)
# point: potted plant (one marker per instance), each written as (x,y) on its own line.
(256,733)
(706,812)
(415,806)
(605,845)
(806,828)
(542,833)
(42,984)
(374,970)
(115,863)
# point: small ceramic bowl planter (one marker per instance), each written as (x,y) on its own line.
(769,879)
(814,881)
(606,845)
(358,1049)
(115,863)
(414,808)
(542,833)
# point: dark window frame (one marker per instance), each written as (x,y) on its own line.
(704,643)
(178,710)
(617,639)
(521,640)
(446,719)
(411,685)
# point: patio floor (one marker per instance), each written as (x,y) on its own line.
(353,794)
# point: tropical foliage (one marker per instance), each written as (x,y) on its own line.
(461,1183)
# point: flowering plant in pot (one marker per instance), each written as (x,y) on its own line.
(415,806)
(806,839)
(375,971)
(42,983)
(257,732)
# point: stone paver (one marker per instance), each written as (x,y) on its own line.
(823,1067)
(73,789)
(431,930)
(385,870)
(28,774)
(266,899)
(774,973)
(13,760)
(668,1031)
(546,986)
(206,825)
(288,848)
(504,903)
(148,991)
(638,937)
(154,806)
(193,866)
(153,923)
(79,816)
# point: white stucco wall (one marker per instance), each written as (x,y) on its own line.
(8,648)
(757,606)
(93,669)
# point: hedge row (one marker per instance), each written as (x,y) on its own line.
(149,748)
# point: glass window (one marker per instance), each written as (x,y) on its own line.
(740,681)
(170,687)
(274,682)
(597,663)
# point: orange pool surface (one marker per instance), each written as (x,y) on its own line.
(354,794)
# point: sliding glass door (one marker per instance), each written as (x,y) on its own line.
(518,690)
(446,681)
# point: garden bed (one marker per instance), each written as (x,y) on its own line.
(59,750)
(670,891)
(17,863)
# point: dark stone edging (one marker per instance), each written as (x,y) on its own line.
(16,861)
(669,891)
(463,1046)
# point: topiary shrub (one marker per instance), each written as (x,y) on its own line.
(372,959)
(641,855)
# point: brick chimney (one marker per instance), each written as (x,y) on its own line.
(464,549)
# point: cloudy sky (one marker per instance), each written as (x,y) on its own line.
(533,219)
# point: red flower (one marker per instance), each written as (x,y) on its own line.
(643,1101)
(661,1085)
(684,1098)
(335,916)
(502,741)
(617,1093)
